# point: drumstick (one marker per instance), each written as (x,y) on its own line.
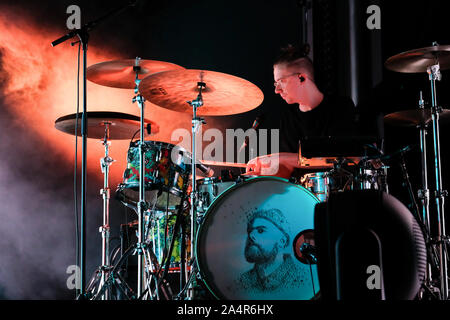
(225,164)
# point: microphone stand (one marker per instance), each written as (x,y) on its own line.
(83,35)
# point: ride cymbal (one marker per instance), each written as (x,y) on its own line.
(122,126)
(418,60)
(224,94)
(413,118)
(121,73)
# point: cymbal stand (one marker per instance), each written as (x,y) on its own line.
(105,229)
(424,193)
(435,74)
(140,247)
(196,124)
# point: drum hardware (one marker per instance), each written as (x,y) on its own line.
(112,74)
(273,205)
(83,34)
(415,117)
(156,285)
(142,205)
(210,188)
(414,207)
(434,74)
(105,162)
(107,126)
(310,252)
(122,125)
(122,74)
(167,170)
(196,124)
(431,60)
(115,280)
(224,94)
(418,60)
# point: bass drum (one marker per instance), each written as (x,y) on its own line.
(247,247)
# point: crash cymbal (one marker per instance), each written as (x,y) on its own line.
(419,60)
(120,73)
(224,94)
(122,125)
(413,118)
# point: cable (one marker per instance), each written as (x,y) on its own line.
(134,135)
(75,184)
(312,277)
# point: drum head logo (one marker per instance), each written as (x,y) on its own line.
(266,244)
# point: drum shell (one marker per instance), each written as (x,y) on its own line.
(167,170)
(402,245)
(209,189)
(221,239)
(160,234)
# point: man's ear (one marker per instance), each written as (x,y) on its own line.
(284,241)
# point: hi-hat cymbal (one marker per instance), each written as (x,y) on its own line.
(224,94)
(413,118)
(419,60)
(120,73)
(122,126)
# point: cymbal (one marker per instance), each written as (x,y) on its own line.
(413,118)
(419,60)
(122,125)
(224,94)
(120,73)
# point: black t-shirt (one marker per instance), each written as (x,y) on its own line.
(333,117)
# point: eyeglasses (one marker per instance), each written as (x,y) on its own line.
(282,80)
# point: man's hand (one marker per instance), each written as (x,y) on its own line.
(278,164)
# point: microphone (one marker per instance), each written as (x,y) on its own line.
(255,125)
(310,252)
(206,170)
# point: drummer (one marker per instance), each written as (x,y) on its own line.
(309,113)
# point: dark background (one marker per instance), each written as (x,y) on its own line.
(235,37)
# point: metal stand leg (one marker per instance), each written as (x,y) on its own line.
(196,123)
(142,206)
(424,193)
(434,74)
(105,229)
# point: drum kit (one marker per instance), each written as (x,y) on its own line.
(219,228)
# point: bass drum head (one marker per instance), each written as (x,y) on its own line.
(246,245)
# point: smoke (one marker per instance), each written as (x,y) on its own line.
(38,85)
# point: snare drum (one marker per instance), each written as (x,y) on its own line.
(167,170)
(324,183)
(246,246)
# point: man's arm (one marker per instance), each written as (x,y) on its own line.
(278,164)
